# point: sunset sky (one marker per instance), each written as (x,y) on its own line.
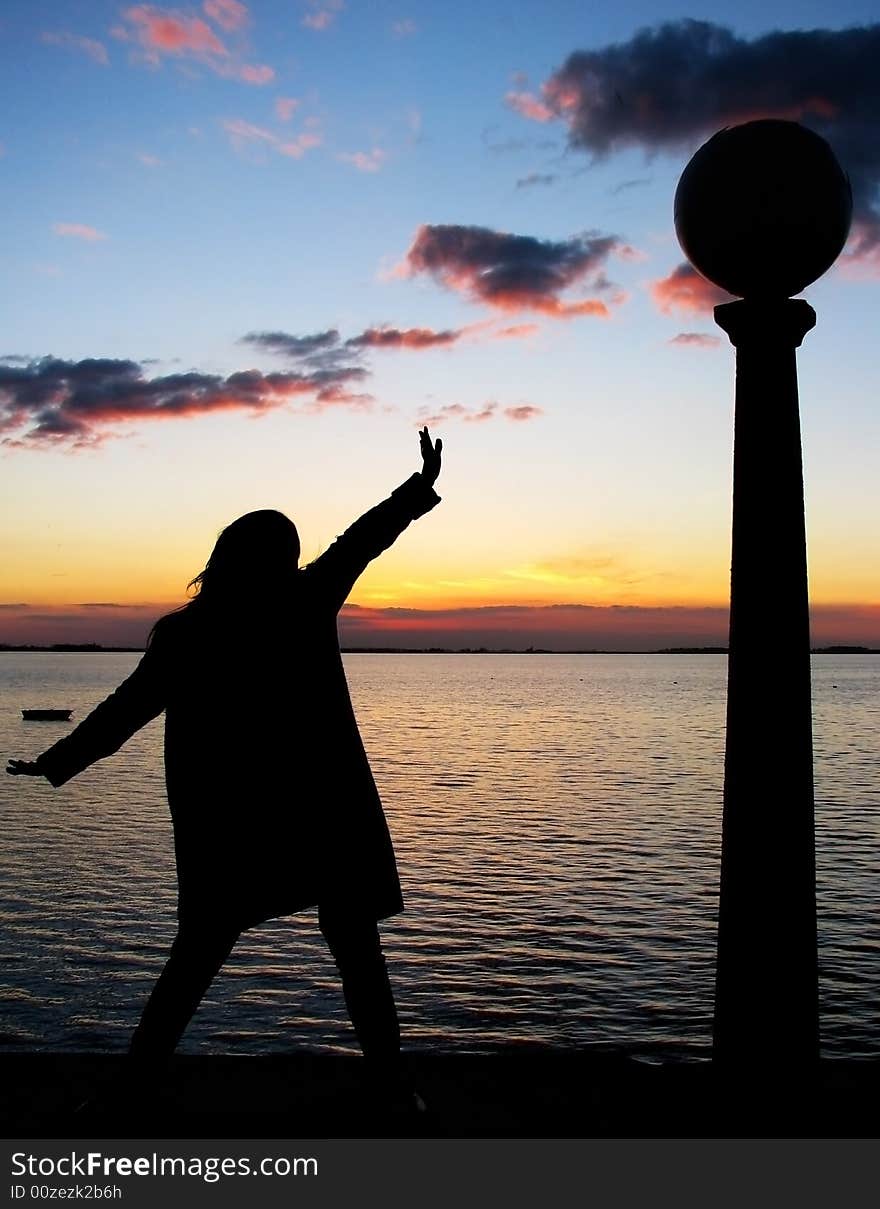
(249,249)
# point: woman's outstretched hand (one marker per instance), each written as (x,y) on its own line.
(23,768)
(431,451)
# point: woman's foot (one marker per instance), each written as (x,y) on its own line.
(404,1101)
(133,1089)
(394,1092)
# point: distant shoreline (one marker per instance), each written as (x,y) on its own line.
(96,648)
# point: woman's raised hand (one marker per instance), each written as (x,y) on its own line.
(431,451)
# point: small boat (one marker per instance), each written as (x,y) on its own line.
(46,715)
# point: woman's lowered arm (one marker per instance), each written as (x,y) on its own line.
(136,702)
(339,567)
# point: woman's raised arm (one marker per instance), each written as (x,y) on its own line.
(335,572)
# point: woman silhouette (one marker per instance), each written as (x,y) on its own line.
(272,800)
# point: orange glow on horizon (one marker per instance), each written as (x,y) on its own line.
(129,578)
(552,626)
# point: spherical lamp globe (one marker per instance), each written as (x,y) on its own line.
(763,209)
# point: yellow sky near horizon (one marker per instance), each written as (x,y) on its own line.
(95,568)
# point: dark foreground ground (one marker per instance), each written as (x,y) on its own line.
(513,1093)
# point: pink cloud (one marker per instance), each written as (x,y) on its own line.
(96,51)
(285,107)
(696,340)
(166,32)
(323,13)
(687,290)
(454,411)
(228,14)
(254,73)
(365,161)
(296,148)
(77,230)
(173,33)
(477,415)
(566,310)
(860,260)
(242,133)
(516,331)
(529,106)
(149,161)
(405,28)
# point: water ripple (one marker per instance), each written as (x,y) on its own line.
(557,825)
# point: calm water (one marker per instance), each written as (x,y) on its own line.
(557,824)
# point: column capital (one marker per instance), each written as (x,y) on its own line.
(782,321)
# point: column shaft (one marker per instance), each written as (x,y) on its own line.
(766,1005)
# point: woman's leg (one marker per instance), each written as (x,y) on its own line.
(354,942)
(197,954)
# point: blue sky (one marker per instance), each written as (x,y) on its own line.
(160,203)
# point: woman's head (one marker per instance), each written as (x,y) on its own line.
(255,555)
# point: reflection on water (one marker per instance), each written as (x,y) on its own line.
(557,824)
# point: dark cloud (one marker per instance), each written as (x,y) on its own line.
(78,402)
(328,351)
(293,346)
(75,404)
(536,178)
(514,272)
(321,352)
(632,184)
(669,86)
(578,627)
(109,625)
(556,627)
(507,145)
(413,337)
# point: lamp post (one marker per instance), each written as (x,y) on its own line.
(762,210)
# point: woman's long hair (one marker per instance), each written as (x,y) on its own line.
(253,566)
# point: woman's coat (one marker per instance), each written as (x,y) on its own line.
(273,803)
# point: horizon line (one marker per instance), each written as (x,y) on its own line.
(99,648)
